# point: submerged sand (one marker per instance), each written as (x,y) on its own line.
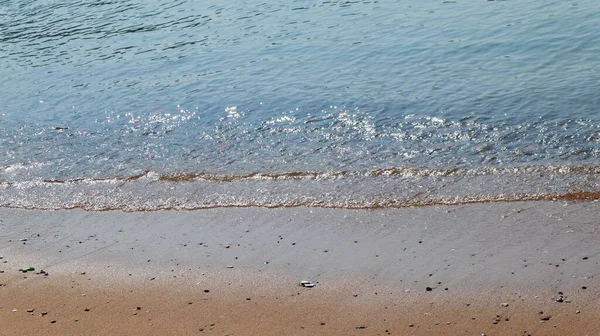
(494,269)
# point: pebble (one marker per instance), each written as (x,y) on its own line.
(229,266)
(545,317)
(361,327)
(30,310)
(429,289)
(504,304)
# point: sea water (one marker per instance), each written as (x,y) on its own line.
(145,105)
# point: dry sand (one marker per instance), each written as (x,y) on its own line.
(494,269)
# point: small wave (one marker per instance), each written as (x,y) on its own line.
(394,187)
(404,172)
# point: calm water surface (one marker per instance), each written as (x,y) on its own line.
(143,105)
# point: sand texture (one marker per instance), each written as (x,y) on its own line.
(494,269)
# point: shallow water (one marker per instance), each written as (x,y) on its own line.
(144,105)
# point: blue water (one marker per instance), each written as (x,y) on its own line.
(144,105)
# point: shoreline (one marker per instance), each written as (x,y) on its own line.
(484,263)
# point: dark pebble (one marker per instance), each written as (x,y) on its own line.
(429,289)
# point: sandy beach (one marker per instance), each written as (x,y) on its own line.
(495,269)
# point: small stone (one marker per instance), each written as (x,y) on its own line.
(411,325)
(227,246)
(53,321)
(585,258)
(15,310)
(361,327)
(44,314)
(30,310)
(504,304)
(545,317)
(87,309)
(229,266)
(429,289)
(206,291)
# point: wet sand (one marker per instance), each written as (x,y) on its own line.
(494,269)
